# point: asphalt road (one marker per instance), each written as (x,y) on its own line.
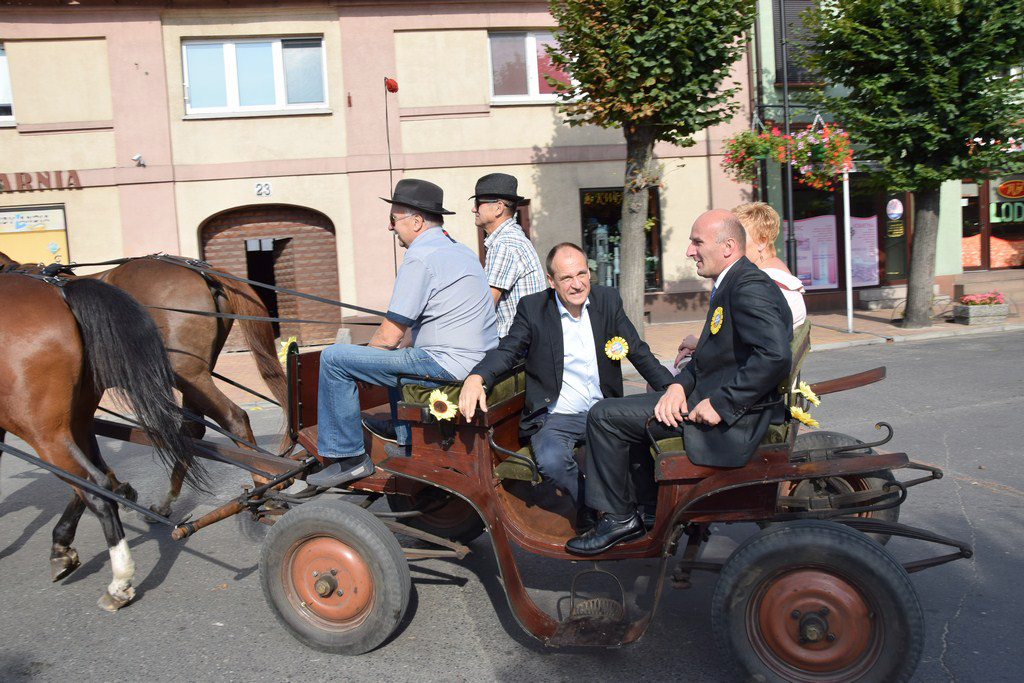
(200,615)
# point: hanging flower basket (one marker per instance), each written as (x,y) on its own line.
(820,156)
(745,149)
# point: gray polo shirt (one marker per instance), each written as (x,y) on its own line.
(441,292)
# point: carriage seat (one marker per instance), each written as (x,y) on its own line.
(510,387)
(776,434)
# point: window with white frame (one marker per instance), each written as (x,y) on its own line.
(254,74)
(6,101)
(519,62)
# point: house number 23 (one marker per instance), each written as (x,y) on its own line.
(262,189)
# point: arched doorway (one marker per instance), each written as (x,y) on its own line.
(287,246)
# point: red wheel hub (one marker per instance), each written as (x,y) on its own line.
(813,620)
(329,581)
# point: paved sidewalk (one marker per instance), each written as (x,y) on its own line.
(829,331)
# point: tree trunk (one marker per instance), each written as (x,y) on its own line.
(922,259)
(641,174)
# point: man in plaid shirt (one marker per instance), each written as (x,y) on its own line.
(512,265)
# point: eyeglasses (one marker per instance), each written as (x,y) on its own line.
(400,218)
(478,202)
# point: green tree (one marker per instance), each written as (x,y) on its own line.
(924,78)
(655,68)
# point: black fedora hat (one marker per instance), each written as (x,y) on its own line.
(500,185)
(419,194)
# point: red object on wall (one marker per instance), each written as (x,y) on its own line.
(391,84)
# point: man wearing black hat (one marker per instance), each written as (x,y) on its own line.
(441,294)
(512,265)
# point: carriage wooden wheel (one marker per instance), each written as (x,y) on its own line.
(817,601)
(335,577)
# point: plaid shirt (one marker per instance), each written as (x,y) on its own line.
(512,266)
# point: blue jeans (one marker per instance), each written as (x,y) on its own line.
(553,447)
(339,427)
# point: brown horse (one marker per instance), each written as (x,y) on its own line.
(63,347)
(194,342)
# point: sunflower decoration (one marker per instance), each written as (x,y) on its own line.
(616,348)
(716,320)
(804,390)
(802,415)
(441,406)
(282,355)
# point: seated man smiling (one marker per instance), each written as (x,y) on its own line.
(574,338)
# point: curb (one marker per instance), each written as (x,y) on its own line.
(961,331)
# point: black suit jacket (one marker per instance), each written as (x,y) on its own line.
(536,333)
(738,367)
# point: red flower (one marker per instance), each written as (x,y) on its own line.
(391,84)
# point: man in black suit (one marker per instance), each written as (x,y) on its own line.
(725,398)
(574,337)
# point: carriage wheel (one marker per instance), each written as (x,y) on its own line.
(816,601)
(335,577)
(827,486)
(443,514)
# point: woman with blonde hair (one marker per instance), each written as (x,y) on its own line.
(761,223)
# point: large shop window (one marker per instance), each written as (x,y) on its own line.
(519,63)
(6,101)
(259,74)
(601,211)
(818,223)
(993,223)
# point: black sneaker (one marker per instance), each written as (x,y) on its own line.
(395,450)
(382,429)
(342,471)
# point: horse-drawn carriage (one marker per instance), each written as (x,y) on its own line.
(812,595)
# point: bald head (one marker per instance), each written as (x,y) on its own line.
(717,241)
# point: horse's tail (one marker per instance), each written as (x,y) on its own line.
(124,352)
(259,334)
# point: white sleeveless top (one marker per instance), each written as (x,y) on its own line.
(793,291)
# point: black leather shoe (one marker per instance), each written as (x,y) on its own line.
(586,519)
(382,429)
(610,529)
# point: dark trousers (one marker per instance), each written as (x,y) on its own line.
(553,447)
(618,453)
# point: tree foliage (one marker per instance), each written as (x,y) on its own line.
(657,69)
(924,79)
(650,61)
(923,82)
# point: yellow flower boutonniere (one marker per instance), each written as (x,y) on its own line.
(441,406)
(616,348)
(716,320)
(805,390)
(802,415)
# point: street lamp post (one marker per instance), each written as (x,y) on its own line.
(787,172)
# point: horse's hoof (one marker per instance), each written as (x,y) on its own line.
(126,490)
(110,603)
(162,510)
(64,564)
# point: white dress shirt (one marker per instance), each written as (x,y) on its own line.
(581,385)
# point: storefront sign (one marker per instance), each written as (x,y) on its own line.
(1011,189)
(35,234)
(40,180)
(999,209)
(32,219)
